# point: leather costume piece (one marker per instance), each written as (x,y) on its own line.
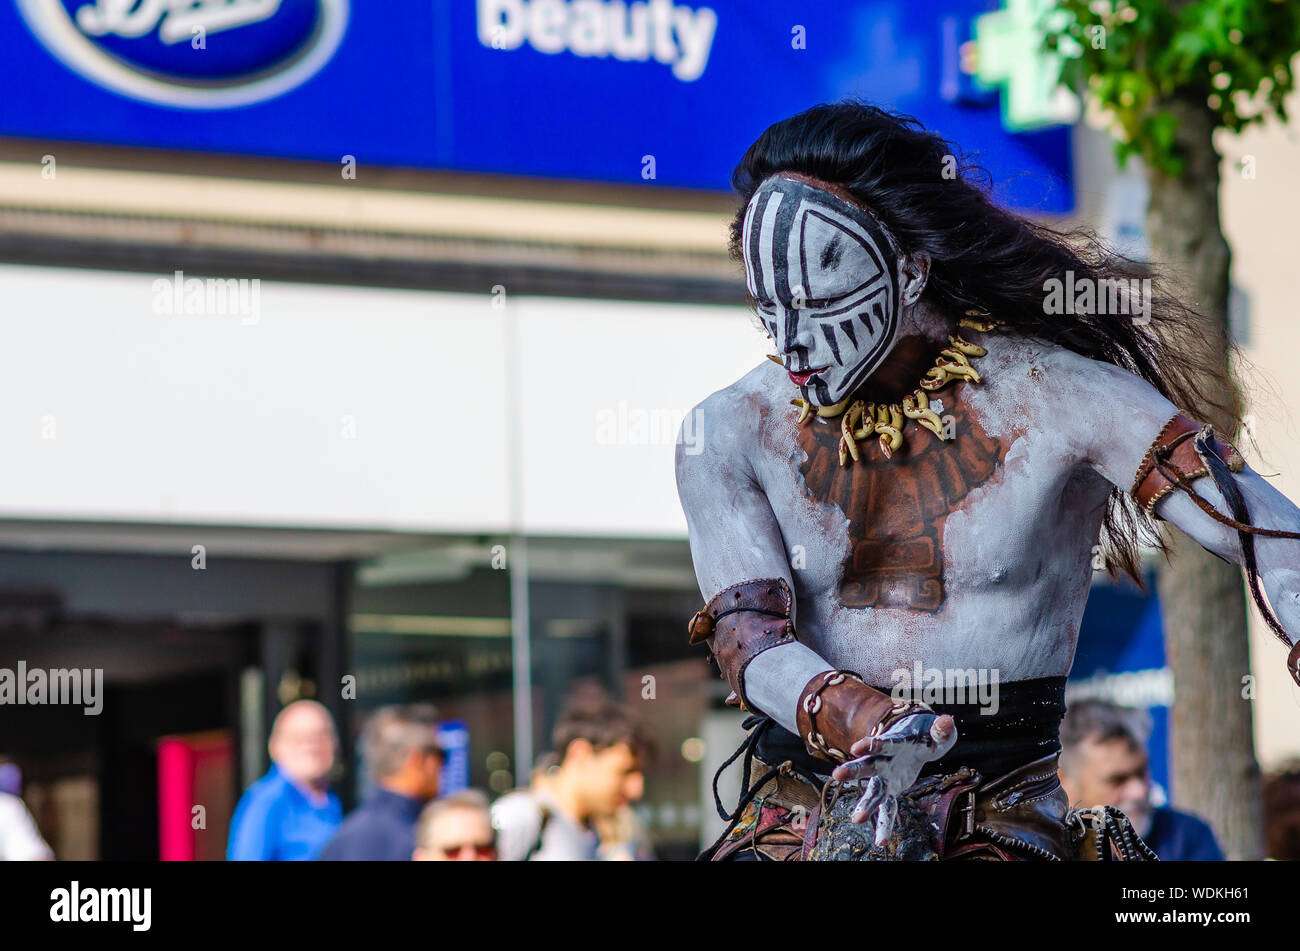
(740,623)
(1175,446)
(1020,815)
(837,709)
(1023,815)
(773,825)
(1184,451)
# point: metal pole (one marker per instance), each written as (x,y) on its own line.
(521,653)
(517,559)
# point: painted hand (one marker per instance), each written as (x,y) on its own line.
(890,763)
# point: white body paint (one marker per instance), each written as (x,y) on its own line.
(822,276)
(1017,550)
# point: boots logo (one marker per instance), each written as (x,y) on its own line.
(194,54)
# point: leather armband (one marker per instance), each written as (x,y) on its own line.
(1188,451)
(741,622)
(1175,447)
(837,709)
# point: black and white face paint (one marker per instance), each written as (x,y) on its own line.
(825,283)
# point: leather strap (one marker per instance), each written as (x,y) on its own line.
(1023,814)
(836,709)
(1240,520)
(1175,448)
(1185,451)
(740,623)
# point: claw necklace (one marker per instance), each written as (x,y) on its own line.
(860,420)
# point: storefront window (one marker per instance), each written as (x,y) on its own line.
(594,624)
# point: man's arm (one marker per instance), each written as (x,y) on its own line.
(1126,416)
(1278,559)
(734,539)
(749,624)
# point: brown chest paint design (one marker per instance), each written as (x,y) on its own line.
(897,507)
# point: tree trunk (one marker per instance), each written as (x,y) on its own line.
(1203,599)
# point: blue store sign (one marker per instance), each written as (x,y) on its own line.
(1121,658)
(158,51)
(643,92)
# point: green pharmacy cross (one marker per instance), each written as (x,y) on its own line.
(1010,55)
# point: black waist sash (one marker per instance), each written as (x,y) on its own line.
(1025,727)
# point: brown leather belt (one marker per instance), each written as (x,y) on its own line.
(1022,815)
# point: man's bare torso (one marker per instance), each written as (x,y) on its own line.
(976,553)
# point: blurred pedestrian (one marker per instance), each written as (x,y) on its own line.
(290,813)
(1104,762)
(457,828)
(405,760)
(20,840)
(601,747)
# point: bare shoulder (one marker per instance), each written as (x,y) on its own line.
(1104,415)
(722,426)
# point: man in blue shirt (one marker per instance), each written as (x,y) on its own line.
(1182,837)
(405,761)
(289,814)
(1104,762)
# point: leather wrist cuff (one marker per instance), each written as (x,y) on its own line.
(837,709)
(1175,446)
(740,623)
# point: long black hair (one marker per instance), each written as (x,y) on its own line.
(989,259)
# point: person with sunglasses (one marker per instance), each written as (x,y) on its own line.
(457,828)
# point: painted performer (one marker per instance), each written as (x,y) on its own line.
(919,479)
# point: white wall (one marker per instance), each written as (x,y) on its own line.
(605,387)
(111,411)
